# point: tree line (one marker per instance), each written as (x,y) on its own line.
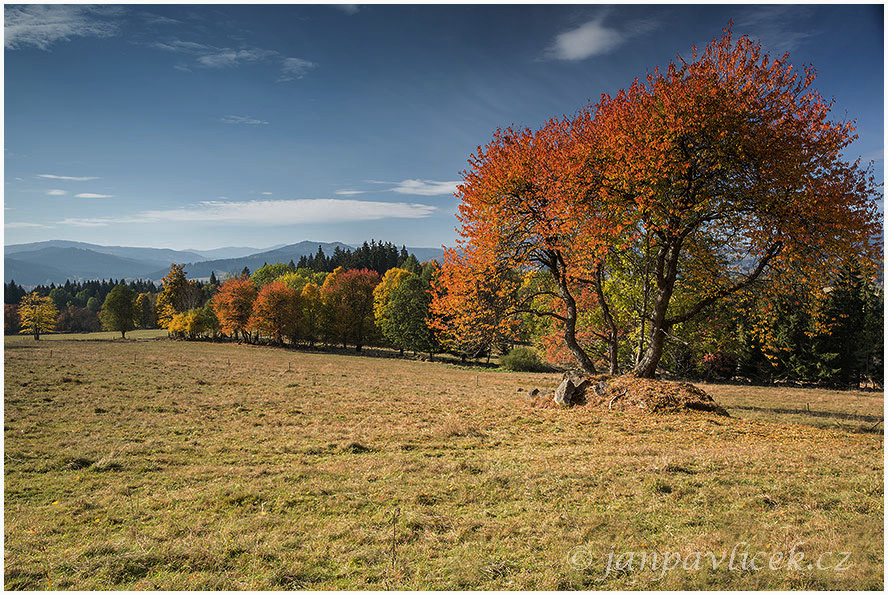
(764,336)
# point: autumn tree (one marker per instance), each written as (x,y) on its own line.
(299,278)
(473,304)
(37,315)
(119,313)
(722,169)
(233,305)
(311,312)
(276,312)
(179,294)
(349,295)
(529,201)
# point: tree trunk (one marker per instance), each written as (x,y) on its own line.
(570,333)
(612,331)
(647,367)
(666,271)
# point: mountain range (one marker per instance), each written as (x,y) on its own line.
(55,261)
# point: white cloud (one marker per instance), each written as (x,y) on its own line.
(266,193)
(56,192)
(271,212)
(593,38)
(589,39)
(349,192)
(425,187)
(43,25)
(243,120)
(67,178)
(295,68)
(92,195)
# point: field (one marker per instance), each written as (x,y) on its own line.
(172,465)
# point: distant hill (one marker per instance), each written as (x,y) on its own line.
(157,256)
(55,261)
(227,252)
(55,264)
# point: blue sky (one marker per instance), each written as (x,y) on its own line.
(200,126)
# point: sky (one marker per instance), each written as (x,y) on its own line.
(201,126)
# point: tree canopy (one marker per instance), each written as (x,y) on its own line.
(706,178)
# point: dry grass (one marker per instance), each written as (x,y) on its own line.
(166,465)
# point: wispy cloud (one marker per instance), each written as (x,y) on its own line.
(425,187)
(23,225)
(67,178)
(156,19)
(594,38)
(349,192)
(208,56)
(267,194)
(348,9)
(56,192)
(271,212)
(295,68)
(230,58)
(778,28)
(42,25)
(93,195)
(177,45)
(246,120)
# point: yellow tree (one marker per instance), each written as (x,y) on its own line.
(312,310)
(178,295)
(37,315)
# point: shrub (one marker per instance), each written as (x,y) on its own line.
(521,359)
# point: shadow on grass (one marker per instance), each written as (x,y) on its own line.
(838,416)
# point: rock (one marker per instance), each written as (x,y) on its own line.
(564,392)
(532,393)
(572,390)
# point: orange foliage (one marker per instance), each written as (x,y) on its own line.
(233,305)
(276,311)
(727,164)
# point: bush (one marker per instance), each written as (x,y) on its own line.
(521,359)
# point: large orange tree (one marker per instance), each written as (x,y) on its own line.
(718,172)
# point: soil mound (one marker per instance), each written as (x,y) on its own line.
(635,394)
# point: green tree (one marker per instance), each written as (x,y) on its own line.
(270,272)
(119,310)
(60,298)
(406,312)
(93,304)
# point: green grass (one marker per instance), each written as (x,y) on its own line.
(173,465)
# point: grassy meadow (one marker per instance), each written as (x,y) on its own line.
(174,465)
